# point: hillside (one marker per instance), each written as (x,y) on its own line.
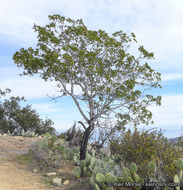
(175,140)
(13,173)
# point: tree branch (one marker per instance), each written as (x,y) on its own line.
(80,122)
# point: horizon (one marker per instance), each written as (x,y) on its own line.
(157,26)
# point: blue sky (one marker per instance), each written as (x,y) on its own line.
(158,25)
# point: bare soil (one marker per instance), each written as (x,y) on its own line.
(13,174)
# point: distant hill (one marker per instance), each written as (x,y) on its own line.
(174,140)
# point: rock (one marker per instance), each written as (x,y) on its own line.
(57,181)
(66,182)
(5,135)
(51,174)
(35,170)
(40,137)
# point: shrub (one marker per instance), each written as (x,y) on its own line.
(18,120)
(142,147)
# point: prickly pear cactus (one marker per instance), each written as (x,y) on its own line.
(133,167)
(77,172)
(178,178)
(82,163)
(100,177)
(76,150)
(110,178)
(151,169)
(71,155)
(178,163)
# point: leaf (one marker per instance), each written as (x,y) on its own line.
(133,167)
(178,163)
(100,177)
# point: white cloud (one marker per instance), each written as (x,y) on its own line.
(29,87)
(17,17)
(46,108)
(157,24)
(171,76)
(168,116)
(62,126)
(62,117)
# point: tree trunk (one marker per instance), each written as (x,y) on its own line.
(84,142)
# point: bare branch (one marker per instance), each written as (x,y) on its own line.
(80,122)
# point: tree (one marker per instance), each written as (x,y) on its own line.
(108,75)
(3,93)
(17,119)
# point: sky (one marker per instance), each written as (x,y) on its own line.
(158,26)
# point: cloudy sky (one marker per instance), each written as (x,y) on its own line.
(158,25)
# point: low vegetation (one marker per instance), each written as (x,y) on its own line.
(141,147)
(162,164)
(113,79)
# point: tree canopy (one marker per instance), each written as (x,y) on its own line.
(17,120)
(111,79)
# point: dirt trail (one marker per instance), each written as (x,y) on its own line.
(13,175)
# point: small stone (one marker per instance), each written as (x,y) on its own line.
(40,137)
(51,174)
(66,182)
(35,170)
(57,181)
(5,135)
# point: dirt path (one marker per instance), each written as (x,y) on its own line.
(13,175)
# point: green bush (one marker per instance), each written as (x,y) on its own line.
(21,120)
(142,147)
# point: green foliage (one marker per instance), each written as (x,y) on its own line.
(61,148)
(71,155)
(76,149)
(133,167)
(142,147)
(77,172)
(101,171)
(100,177)
(178,163)
(151,169)
(92,162)
(110,178)
(109,75)
(178,178)
(21,120)
(51,143)
(3,93)
(83,163)
(43,144)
